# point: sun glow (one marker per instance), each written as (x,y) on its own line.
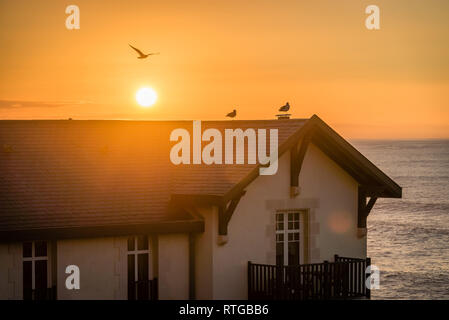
(146,97)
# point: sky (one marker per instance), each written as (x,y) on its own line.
(216,56)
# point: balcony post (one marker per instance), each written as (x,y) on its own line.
(326,280)
(368,290)
(250,296)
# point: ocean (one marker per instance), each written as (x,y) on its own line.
(408,238)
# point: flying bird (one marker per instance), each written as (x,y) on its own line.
(285,107)
(232,114)
(141,54)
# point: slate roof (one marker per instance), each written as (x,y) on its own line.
(74,173)
(110,176)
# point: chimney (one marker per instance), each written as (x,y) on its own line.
(284,116)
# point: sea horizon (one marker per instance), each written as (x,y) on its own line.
(408,238)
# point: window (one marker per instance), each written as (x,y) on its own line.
(289,237)
(36,271)
(138,268)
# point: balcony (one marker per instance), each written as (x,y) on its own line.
(342,279)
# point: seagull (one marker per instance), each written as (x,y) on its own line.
(285,107)
(141,54)
(232,114)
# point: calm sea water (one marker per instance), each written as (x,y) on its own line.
(408,238)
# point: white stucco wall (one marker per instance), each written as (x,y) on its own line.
(205,244)
(335,220)
(10,271)
(327,192)
(173,260)
(103,268)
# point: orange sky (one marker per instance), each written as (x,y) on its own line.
(218,55)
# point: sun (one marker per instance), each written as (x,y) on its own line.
(146,97)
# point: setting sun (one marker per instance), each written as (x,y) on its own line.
(146,97)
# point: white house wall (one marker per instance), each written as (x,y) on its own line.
(327,192)
(205,244)
(10,271)
(173,266)
(103,268)
(335,220)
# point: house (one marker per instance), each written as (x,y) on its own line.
(104,196)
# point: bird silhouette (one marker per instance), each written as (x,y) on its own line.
(232,114)
(141,54)
(285,107)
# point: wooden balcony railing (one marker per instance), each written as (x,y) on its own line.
(342,279)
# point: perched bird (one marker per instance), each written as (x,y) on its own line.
(232,114)
(141,54)
(285,107)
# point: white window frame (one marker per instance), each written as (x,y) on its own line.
(136,253)
(301,231)
(33,260)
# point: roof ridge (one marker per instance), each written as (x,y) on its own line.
(152,120)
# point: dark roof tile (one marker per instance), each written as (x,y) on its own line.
(60,174)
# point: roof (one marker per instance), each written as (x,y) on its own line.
(73,174)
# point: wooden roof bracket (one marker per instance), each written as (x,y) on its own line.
(297,154)
(225,213)
(363,210)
